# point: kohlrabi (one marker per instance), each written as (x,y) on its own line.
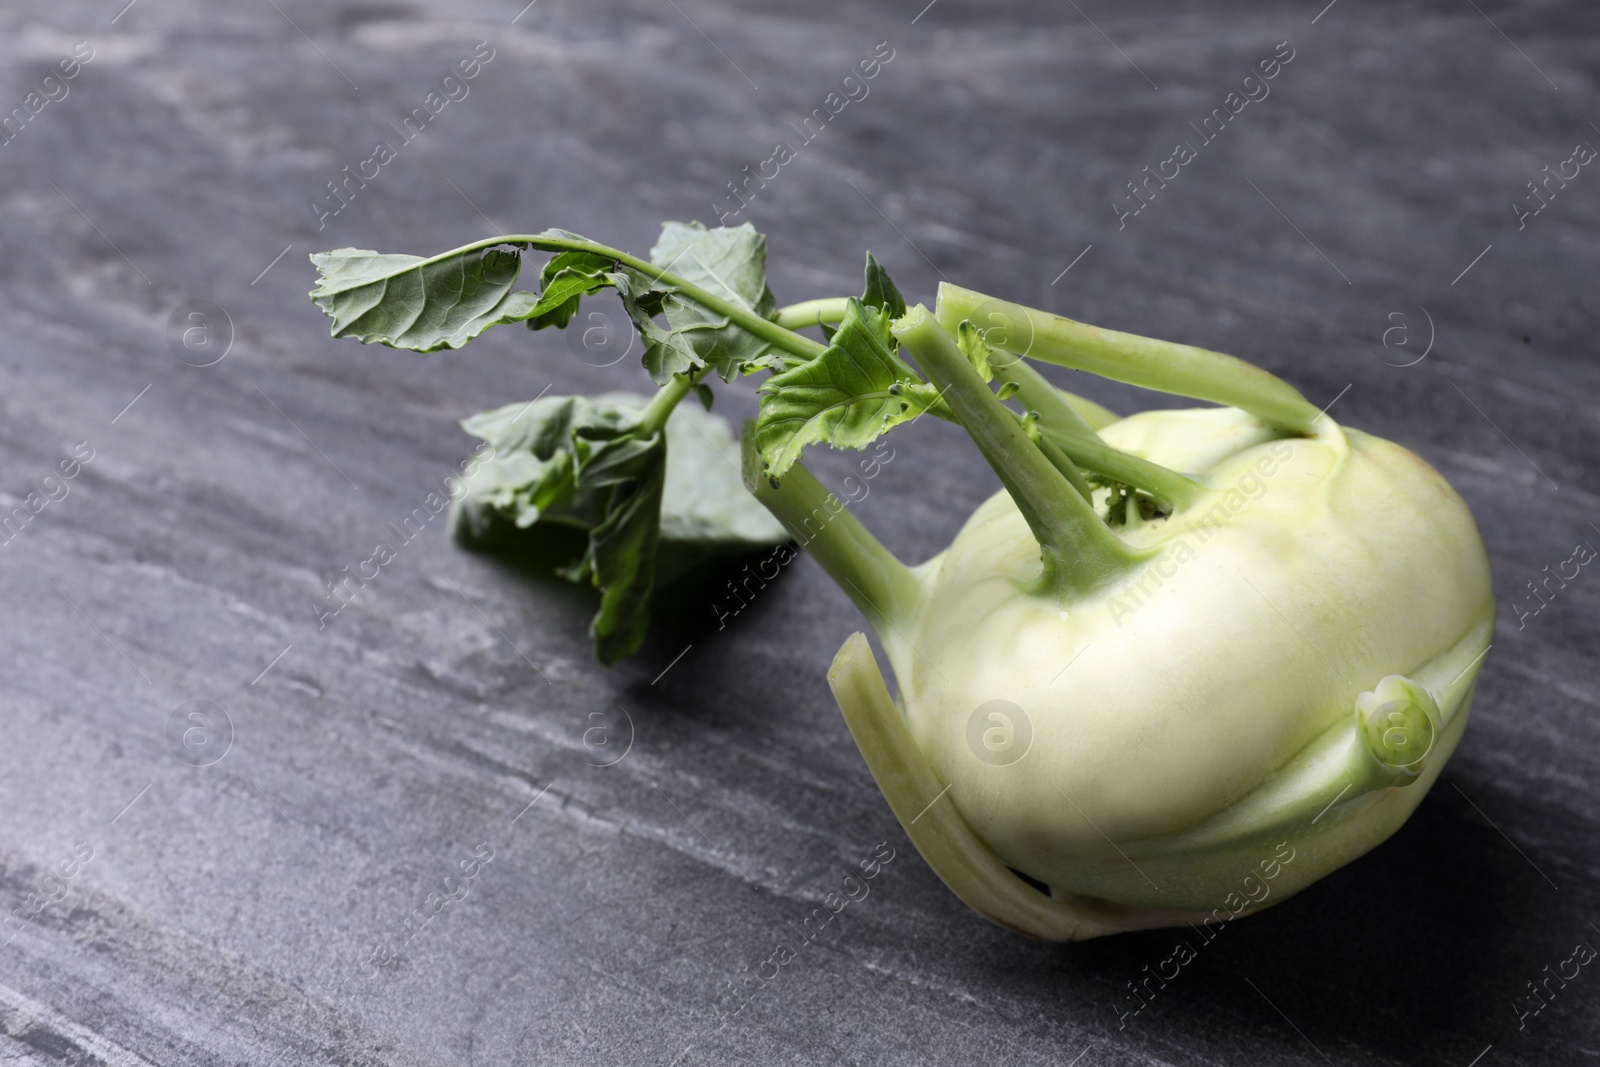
(1176,649)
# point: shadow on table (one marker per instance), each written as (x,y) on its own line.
(1414,952)
(684,606)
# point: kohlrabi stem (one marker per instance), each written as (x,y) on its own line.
(881,587)
(1069,470)
(655,414)
(1062,425)
(1037,394)
(810,312)
(1160,365)
(1097,416)
(1080,552)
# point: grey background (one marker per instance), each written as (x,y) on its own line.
(230,913)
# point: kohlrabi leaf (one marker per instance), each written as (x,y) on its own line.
(705,503)
(444,302)
(629,473)
(856,390)
(567,277)
(570,276)
(706,506)
(881,292)
(727,262)
(670,349)
(419,304)
(576,463)
(529,472)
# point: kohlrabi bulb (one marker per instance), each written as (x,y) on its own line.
(1182,711)
(1289,664)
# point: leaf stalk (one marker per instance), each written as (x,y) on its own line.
(1079,551)
(1144,361)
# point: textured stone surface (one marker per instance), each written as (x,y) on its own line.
(250,911)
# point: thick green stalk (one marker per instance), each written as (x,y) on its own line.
(881,587)
(810,312)
(1061,424)
(1069,470)
(1080,552)
(1160,365)
(655,414)
(1037,394)
(1098,416)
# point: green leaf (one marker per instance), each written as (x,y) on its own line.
(621,559)
(530,473)
(577,461)
(706,504)
(881,292)
(727,262)
(707,510)
(444,302)
(419,304)
(567,277)
(612,461)
(648,507)
(668,350)
(848,396)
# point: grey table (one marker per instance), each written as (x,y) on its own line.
(219,816)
